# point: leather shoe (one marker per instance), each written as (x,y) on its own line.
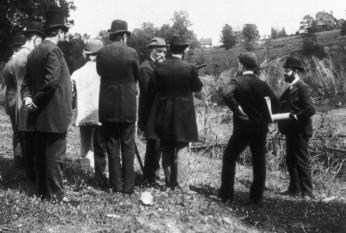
(289,193)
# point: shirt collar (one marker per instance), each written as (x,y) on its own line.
(177,56)
(294,82)
(247,72)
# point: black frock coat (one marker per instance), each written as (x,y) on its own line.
(172,115)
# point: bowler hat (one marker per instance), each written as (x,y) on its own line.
(36,28)
(118,27)
(18,40)
(178,41)
(157,42)
(93,46)
(293,63)
(248,58)
(55,19)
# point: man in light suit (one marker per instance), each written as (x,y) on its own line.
(296,99)
(34,33)
(118,68)
(11,99)
(47,94)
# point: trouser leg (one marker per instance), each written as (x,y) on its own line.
(29,155)
(235,146)
(50,160)
(111,133)
(152,160)
(100,152)
(86,133)
(257,146)
(167,163)
(16,143)
(303,165)
(291,162)
(181,162)
(128,154)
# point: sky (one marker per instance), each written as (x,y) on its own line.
(207,17)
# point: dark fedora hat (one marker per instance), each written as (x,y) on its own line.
(36,28)
(118,27)
(248,58)
(157,42)
(294,63)
(178,41)
(55,19)
(18,40)
(93,46)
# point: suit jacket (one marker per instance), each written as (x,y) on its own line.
(47,81)
(145,96)
(297,100)
(118,67)
(172,115)
(11,87)
(248,91)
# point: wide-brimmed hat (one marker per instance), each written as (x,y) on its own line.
(294,63)
(55,19)
(178,41)
(93,46)
(157,42)
(18,40)
(35,27)
(118,27)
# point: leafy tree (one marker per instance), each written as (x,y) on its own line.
(343,29)
(16,14)
(73,50)
(227,37)
(274,33)
(141,37)
(282,33)
(250,35)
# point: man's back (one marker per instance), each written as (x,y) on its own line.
(47,81)
(249,91)
(119,70)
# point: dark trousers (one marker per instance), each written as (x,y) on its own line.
(50,150)
(29,155)
(298,164)
(120,137)
(152,160)
(235,146)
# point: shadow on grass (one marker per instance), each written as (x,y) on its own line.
(282,214)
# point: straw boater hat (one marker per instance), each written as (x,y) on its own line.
(93,46)
(248,58)
(35,27)
(118,27)
(293,63)
(55,19)
(157,42)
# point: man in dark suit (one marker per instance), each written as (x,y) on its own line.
(172,118)
(47,94)
(245,97)
(118,67)
(158,49)
(296,99)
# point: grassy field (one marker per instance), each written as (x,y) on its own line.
(93,210)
